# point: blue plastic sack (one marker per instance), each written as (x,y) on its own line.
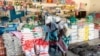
(5,18)
(2,30)
(11,27)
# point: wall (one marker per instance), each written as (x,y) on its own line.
(95,6)
(84,1)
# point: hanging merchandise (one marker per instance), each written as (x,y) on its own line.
(16,4)
(54,1)
(62,1)
(9,3)
(10,7)
(49,1)
(58,10)
(69,1)
(4,8)
(30,5)
(37,0)
(1,3)
(34,0)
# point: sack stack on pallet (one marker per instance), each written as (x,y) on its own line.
(12,45)
(74,33)
(2,47)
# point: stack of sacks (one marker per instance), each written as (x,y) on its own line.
(74,33)
(96,33)
(2,48)
(91,31)
(9,44)
(28,42)
(17,43)
(12,44)
(80,34)
(41,45)
(38,32)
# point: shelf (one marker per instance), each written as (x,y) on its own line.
(48,4)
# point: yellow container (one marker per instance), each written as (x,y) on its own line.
(86,33)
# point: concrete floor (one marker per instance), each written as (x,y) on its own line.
(92,42)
